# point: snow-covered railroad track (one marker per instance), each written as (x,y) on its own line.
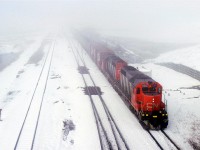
(167,136)
(27,134)
(163,140)
(168,142)
(109,134)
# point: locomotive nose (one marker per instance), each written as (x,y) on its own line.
(152,103)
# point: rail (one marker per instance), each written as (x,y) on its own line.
(32,100)
(115,129)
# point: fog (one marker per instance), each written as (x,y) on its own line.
(153,20)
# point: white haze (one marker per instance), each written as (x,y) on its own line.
(155,20)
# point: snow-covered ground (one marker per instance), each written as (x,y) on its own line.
(182,97)
(183,104)
(187,56)
(64,100)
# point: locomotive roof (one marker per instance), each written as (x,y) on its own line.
(114,59)
(106,51)
(105,55)
(100,47)
(135,76)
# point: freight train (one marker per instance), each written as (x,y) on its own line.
(141,92)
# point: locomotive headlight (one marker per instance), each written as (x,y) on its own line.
(153,100)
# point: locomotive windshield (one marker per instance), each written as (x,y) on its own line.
(151,89)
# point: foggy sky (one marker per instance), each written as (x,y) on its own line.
(155,20)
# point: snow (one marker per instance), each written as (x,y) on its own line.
(64,100)
(183,107)
(183,102)
(133,132)
(142,69)
(187,56)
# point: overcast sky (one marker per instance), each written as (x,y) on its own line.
(156,20)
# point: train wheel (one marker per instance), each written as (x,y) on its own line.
(140,116)
(134,111)
(131,108)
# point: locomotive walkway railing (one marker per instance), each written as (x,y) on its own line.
(182,69)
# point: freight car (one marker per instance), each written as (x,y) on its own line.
(143,94)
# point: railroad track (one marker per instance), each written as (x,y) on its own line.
(109,134)
(168,143)
(28,131)
(162,140)
(167,136)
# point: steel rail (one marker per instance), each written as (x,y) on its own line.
(41,104)
(97,118)
(27,112)
(167,136)
(110,117)
(157,143)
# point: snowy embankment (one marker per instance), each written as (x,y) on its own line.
(188,56)
(182,98)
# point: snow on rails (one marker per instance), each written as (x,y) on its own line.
(142,93)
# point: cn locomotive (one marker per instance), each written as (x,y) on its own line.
(141,92)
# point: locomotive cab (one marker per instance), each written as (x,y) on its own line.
(147,101)
(145,97)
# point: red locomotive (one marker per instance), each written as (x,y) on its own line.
(145,97)
(143,94)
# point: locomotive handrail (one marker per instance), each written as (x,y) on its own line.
(165,101)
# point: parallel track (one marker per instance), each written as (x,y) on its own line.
(25,140)
(127,102)
(96,115)
(118,137)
